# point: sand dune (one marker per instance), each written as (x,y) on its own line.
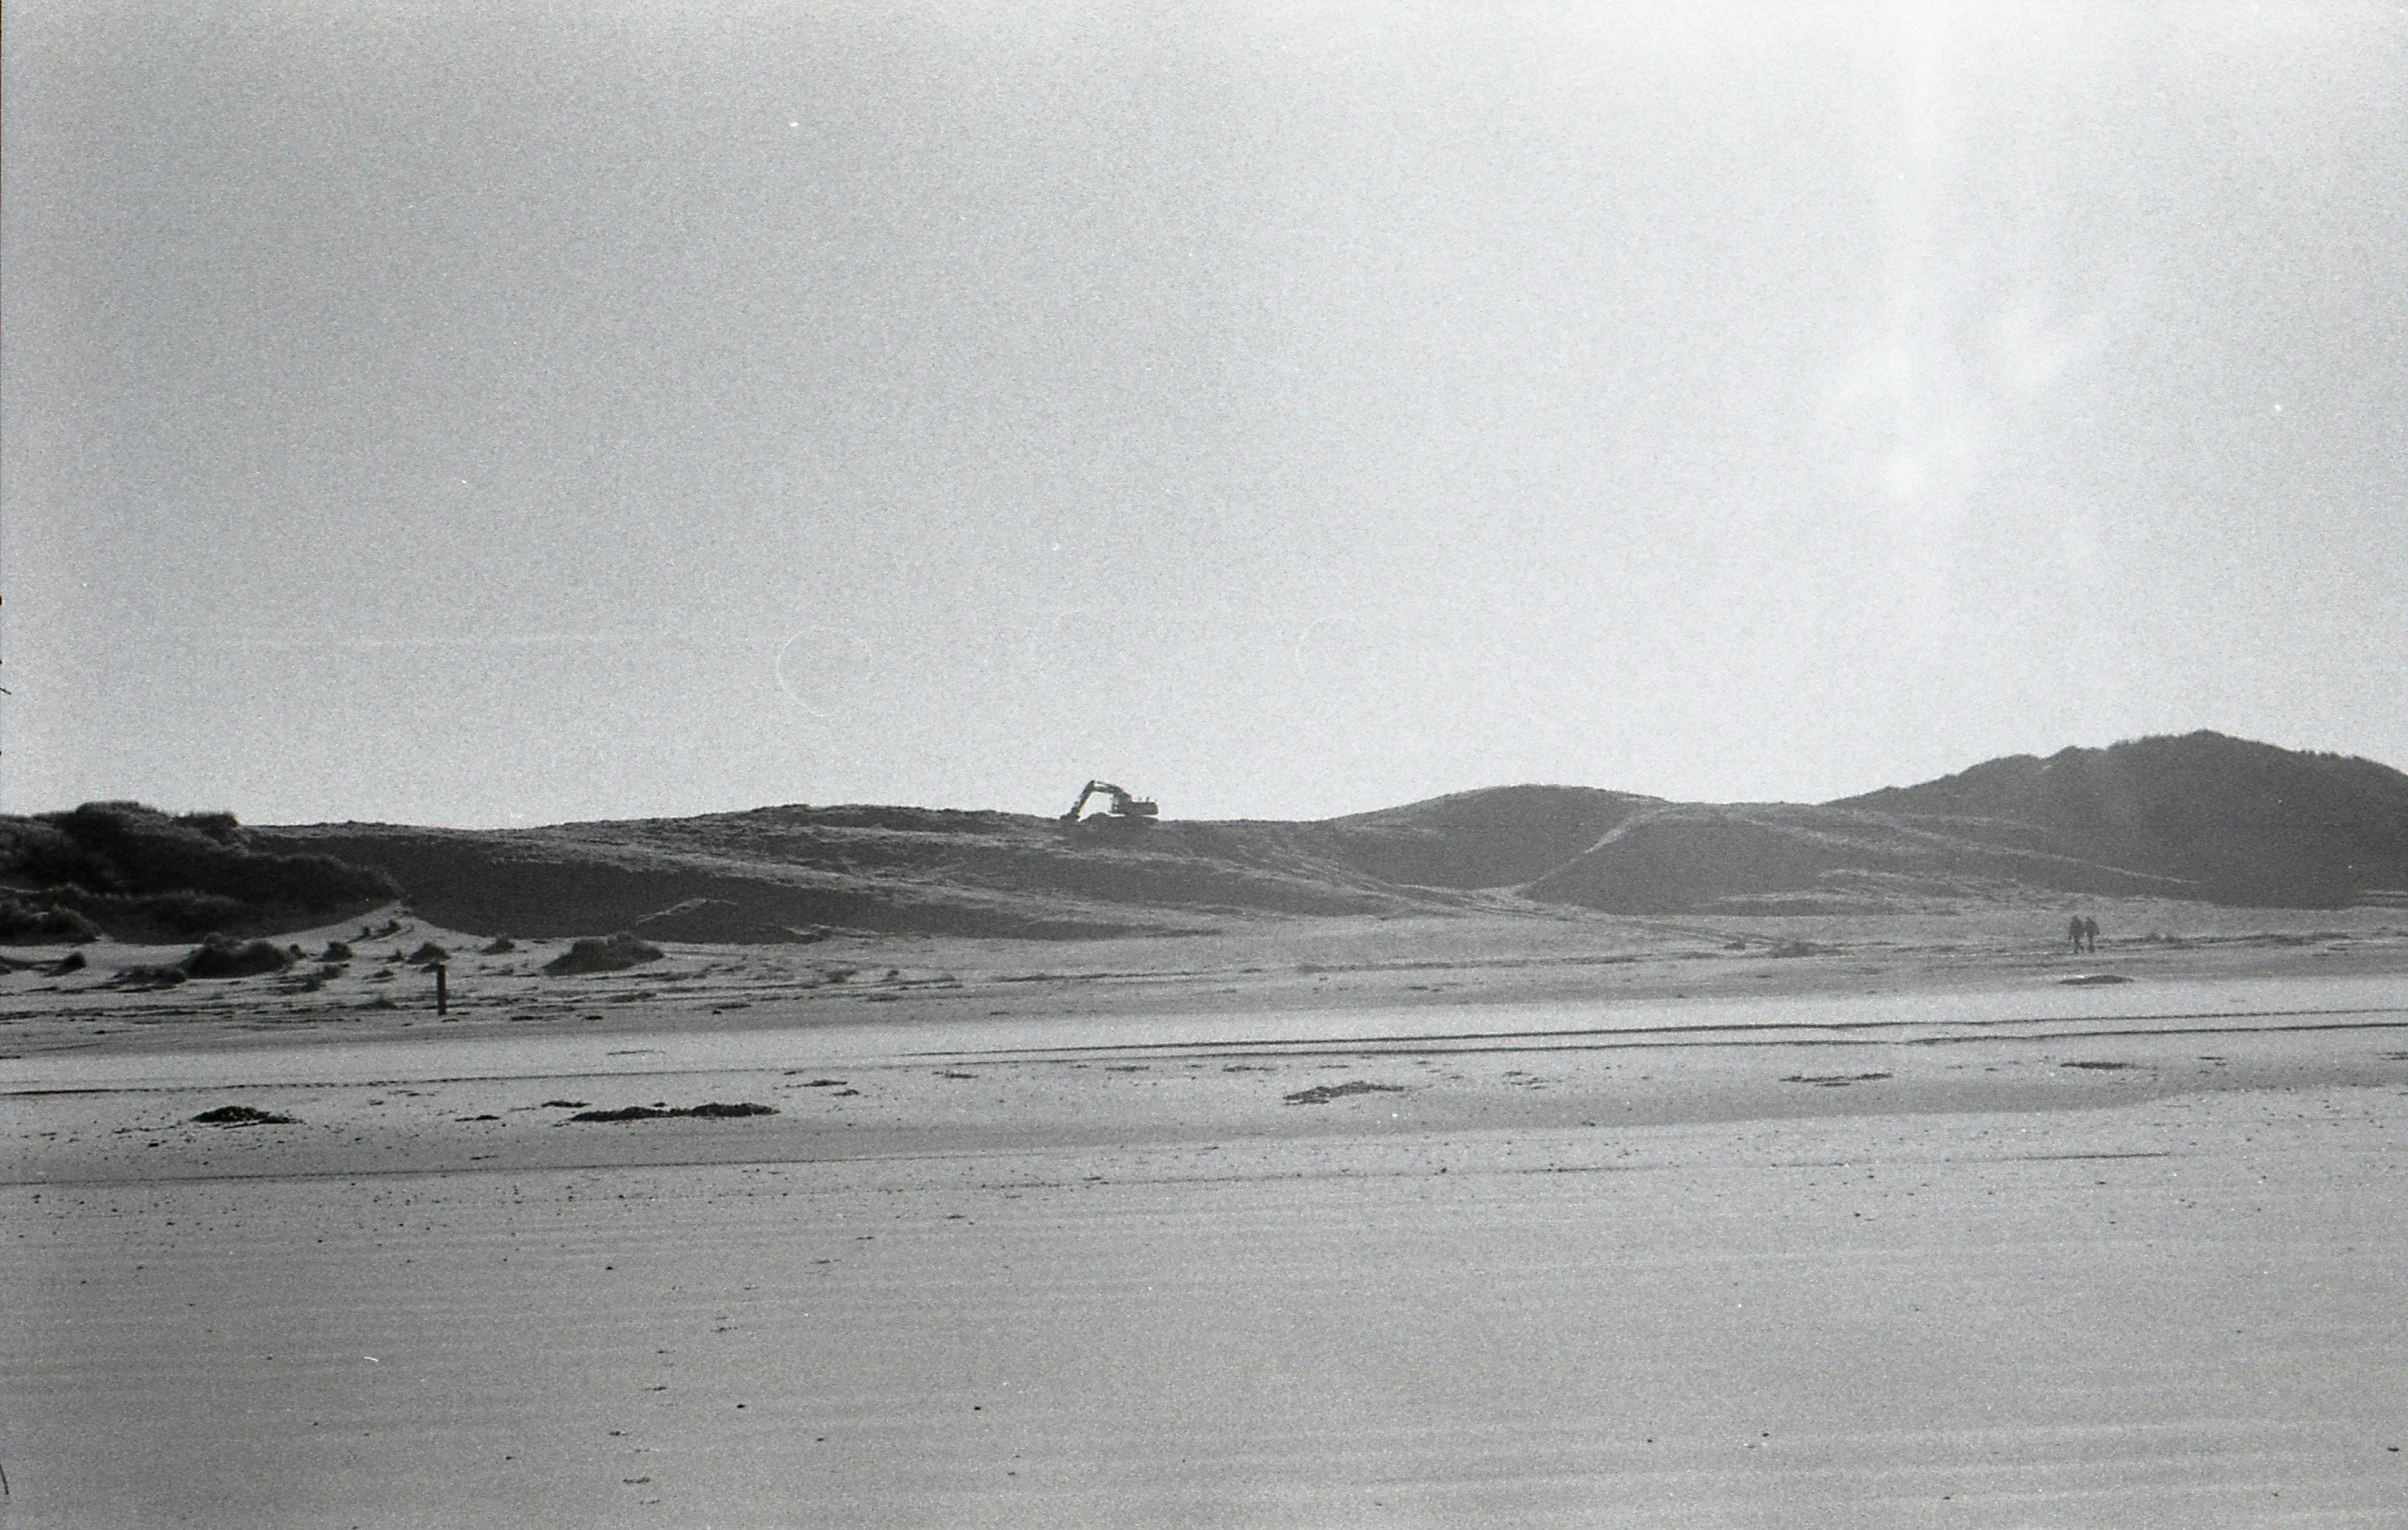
(2200,817)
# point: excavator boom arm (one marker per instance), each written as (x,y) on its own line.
(1125,805)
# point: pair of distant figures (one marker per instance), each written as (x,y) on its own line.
(2083,931)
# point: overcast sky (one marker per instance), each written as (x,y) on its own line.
(478,414)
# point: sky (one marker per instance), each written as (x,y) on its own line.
(467,414)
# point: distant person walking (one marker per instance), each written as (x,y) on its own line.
(2073,932)
(2090,934)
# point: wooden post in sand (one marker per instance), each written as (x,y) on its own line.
(442,989)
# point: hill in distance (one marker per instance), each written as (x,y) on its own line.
(2245,823)
(2201,816)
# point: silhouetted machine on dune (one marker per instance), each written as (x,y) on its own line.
(1125,808)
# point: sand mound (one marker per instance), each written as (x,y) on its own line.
(617,954)
(222,956)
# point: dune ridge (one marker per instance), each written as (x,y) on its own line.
(2201,817)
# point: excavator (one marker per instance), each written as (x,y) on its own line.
(1125,809)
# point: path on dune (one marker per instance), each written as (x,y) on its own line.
(2044,1256)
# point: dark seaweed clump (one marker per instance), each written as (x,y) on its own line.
(241,1115)
(710,1112)
(1322,1094)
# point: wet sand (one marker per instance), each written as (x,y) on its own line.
(1981,1249)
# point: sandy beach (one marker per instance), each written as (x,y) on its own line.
(1121,767)
(1692,1236)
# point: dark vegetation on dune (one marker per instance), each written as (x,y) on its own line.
(31,921)
(223,956)
(138,873)
(217,956)
(2202,816)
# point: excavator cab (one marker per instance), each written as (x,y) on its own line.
(1125,809)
